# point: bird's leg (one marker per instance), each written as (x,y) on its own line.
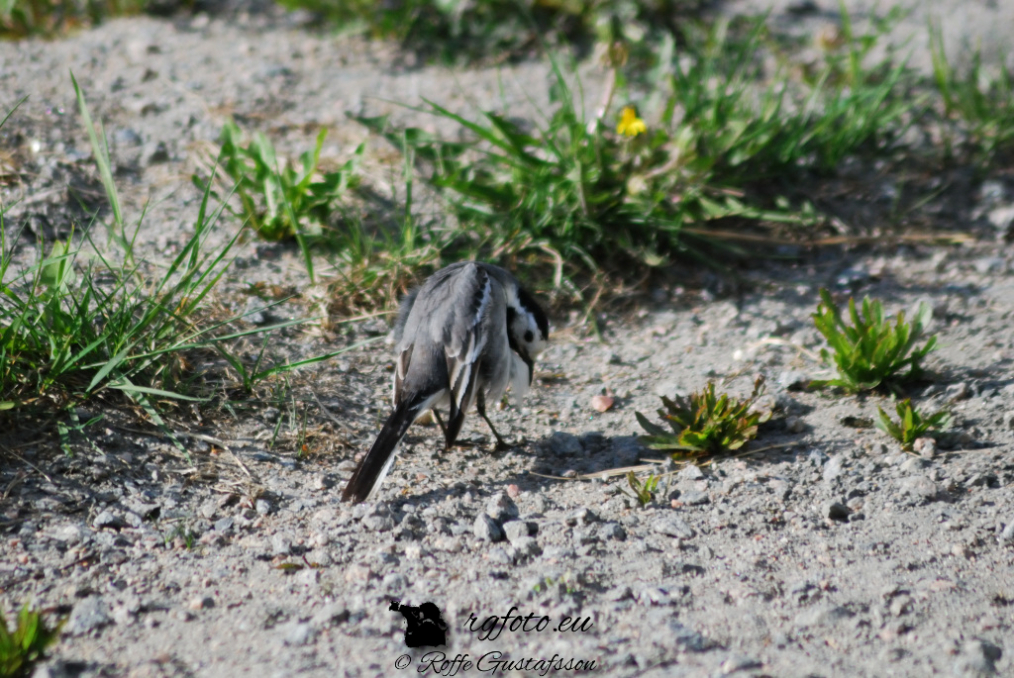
(480,405)
(440,423)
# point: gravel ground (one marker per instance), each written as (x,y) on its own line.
(825,551)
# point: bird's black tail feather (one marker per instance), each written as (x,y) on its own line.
(373,467)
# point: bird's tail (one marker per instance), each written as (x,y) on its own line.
(374,467)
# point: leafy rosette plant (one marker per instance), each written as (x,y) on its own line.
(912,424)
(871,351)
(705,423)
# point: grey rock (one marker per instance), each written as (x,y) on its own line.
(959,391)
(145,510)
(300,634)
(515,529)
(583,537)
(225,526)
(281,545)
(792,380)
(378,522)
(125,136)
(817,458)
(920,487)
(526,547)
(686,639)
(154,152)
(1008,420)
(925,447)
(108,519)
(487,529)
(900,605)
(694,498)
(619,593)
(394,582)
(612,530)
(978,658)
(1007,536)
(821,615)
(502,508)
(833,468)
(794,424)
(673,526)
(208,509)
(201,603)
(307,577)
(582,516)
(499,556)
(987,265)
(263,507)
(690,472)
(90,614)
(332,615)
(651,595)
(739,662)
(835,510)
(913,464)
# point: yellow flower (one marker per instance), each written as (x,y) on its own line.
(630,125)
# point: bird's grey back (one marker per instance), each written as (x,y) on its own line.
(440,318)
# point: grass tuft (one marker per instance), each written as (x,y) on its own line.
(870,351)
(23,18)
(912,424)
(26,644)
(620,187)
(983,101)
(279,200)
(79,323)
(644,492)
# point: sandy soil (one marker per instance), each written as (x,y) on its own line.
(826,551)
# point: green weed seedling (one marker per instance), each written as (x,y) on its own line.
(644,492)
(22,18)
(911,423)
(279,200)
(705,423)
(983,101)
(83,322)
(25,645)
(713,147)
(870,351)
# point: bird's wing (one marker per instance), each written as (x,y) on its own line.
(400,370)
(465,342)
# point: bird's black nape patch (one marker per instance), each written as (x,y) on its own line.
(532,306)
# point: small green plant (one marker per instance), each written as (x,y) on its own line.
(644,492)
(25,645)
(279,200)
(711,150)
(81,324)
(983,101)
(871,351)
(21,18)
(494,29)
(186,535)
(911,423)
(565,583)
(705,423)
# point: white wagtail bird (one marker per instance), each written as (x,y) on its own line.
(468,332)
